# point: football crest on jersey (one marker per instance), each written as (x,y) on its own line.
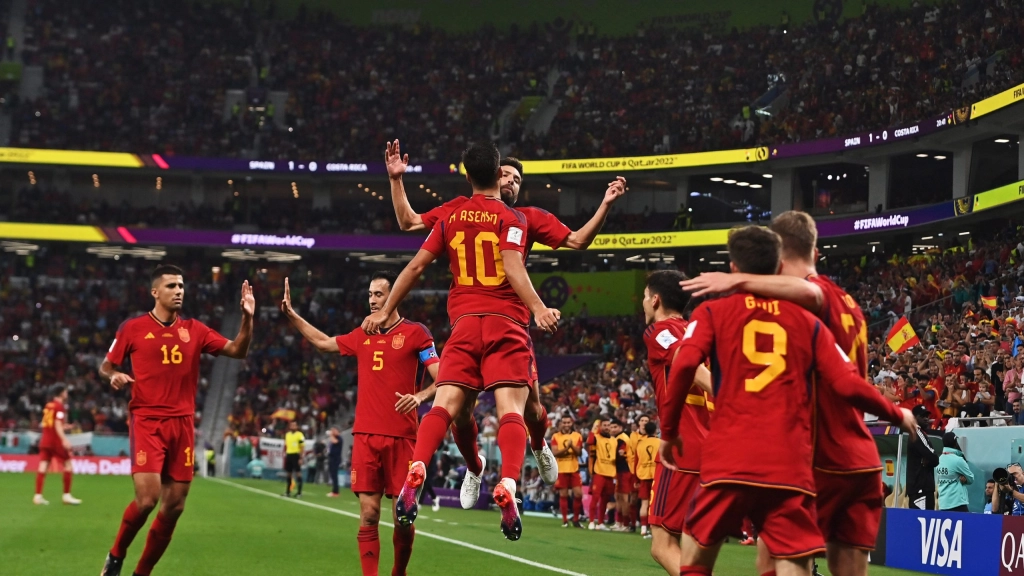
(140,458)
(183,334)
(666,338)
(398,341)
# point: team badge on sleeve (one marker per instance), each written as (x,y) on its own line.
(515,236)
(398,341)
(689,330)
(666,339)
(183,334)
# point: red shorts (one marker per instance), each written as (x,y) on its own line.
(48,453)
(602,487)
(670,495)
(485,352)
(568,480)
(380,463)
(644,490)
(785,519)
(850,507)
(164,446)
(624,483)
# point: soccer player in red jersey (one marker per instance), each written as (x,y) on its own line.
(489,306)
(54,445)
(390,373)
(164,350)
(663,303)
(542,227)
(847,470)
(767,357)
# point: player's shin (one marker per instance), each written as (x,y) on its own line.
(402,539)
(512,443)
(67,481)
(537,425)
(369,549)
(131,522)
(157,540)
(465,434)
(563,506)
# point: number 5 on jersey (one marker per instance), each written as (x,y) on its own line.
(378,360)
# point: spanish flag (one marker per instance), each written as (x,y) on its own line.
(902,336)
(990,302)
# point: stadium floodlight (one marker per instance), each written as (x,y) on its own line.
(756,186)
(766,176)
(743,183)
(730,181)
(922,155)
(1002,141)
(716,179)
(940,157)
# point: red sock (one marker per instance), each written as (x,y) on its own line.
(40,478)
(772,573)
(694,571)
(465,439)
(595,498)
(432,430)
(538,428)
(131,522)
(402,540)
(512,443)
(563,505)
(577,508)
(157,540)
(67,481)
(369,549)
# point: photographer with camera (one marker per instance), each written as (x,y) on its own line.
(1008,497)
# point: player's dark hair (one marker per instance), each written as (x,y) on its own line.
(798,232)
(616,421)
(481,163)
(165,269)
(388,275)
(650,428)
(755,250)
(665,284)
(57,390)
(513,162)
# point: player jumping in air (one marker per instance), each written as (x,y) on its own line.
(542,227)
(390,371)
(164,350)
(847,471)
(770,358)
(489,306)
(54,445)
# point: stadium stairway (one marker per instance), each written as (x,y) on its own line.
(220,396)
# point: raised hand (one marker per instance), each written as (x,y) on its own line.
(286,300)
(248,303)
(615,190)
(395,162)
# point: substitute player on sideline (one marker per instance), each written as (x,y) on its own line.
(847,470)
(54,445)
(542,227)
(671,490)
(165,350)
(389,367)
(567,446)
(646,452)
(489,306)
(765,355)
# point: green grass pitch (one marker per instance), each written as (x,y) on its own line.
(227,530)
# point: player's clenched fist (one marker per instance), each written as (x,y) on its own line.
(547,319)
(373,322)
(119,379)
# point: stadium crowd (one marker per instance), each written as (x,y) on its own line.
(886,67)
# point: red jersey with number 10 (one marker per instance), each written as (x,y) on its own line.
(165,363)
(542,226)
(53,416)
(389,364)
(843,442)
(474,235)
(767,357)
(663,339)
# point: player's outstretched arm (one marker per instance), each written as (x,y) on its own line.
(801,292)
(515,272)
(403,285)
(239,347)
(318,339)
(582,238)
(396,163)
(116,378)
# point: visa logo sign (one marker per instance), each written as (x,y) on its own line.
(939,547)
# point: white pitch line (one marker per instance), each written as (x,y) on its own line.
(418,531)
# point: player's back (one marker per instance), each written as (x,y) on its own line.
(842,440)
(762,355)
(53,416)
(473,236)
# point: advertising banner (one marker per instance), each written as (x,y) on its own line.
(866,139)
(70,158)
(291,166)
(631,163)
(655,240)
(1001,100)
(101,465)
(602,293)
(1011,549)
(886,221)
(998,196)
(943,542)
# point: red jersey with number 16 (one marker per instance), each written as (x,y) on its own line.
(663,339)
(389,364)
(165,363)
(842,440)
(53,416)
(474,235)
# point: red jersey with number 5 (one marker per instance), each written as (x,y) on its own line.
(767,359)
(165,363)
(389,364)
(473,235)
(53,416)
(663,339)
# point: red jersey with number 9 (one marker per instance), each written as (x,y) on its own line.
(473,235)
(165,363)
